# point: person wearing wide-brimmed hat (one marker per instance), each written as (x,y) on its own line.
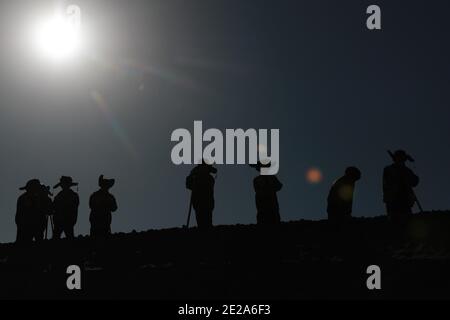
(266,188)
(102,204)
(201,182)
(340,197)
(66,205)
(398,184)
(33,206)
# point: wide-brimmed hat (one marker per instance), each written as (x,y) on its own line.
(401,155)
(65,181)
(31,184)
(105,183)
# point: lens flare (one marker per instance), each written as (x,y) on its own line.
(314,176)
(117,128)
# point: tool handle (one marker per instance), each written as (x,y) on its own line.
(189,214)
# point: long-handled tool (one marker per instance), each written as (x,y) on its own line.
(191,186)
(189,213)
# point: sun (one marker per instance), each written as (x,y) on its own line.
(57,38)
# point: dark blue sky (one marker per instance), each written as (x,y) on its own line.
(340,95)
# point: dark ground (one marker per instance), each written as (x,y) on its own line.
(300,260)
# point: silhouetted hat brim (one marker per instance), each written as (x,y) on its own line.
(65,181)
(403,155)
(32,183)
(71,184)
(105,183)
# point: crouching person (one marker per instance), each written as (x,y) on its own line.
(340,198)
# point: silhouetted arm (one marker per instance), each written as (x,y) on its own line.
(77,200)
(113,204)
(190,181)
(331,193)
(91,202)
(412,178)
(19,211)
(277,184)
(257,184)
(388,188)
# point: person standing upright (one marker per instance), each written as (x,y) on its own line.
(266,188)
(201,182)
(102,203)
(33,207)
(66,205)
(399,182)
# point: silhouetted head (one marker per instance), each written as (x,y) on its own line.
(32,186)
(400,156)
(65,183)
(260,165)
(353,173)
(105,184)
(206,168)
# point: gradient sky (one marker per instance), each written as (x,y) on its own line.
(340,95)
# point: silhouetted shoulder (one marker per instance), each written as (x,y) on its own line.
(23,197)
(400,174)
(75,195)
(96,195)
(270,183)
(67,198)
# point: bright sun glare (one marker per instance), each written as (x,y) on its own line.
(58,38)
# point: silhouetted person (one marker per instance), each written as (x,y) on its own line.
(102,204)
(33,207)
(398,184)
(266,188)
(65,205)
(340,198)
(201,182)
(48,210)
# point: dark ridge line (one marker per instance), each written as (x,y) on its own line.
(116,235)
